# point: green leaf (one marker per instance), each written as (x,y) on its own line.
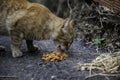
(99,41)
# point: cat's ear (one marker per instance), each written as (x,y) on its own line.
(65,25)
(68,23)
(72,23)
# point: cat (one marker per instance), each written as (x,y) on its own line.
(21,19)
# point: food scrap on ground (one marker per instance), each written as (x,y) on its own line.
(54,56)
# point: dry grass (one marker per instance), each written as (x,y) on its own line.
(107,64)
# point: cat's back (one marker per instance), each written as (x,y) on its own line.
(7,8)
(12,5)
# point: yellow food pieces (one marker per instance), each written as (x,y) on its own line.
(54,56)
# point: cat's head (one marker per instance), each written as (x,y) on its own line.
(65,35)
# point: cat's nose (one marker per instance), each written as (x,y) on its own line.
(61,48)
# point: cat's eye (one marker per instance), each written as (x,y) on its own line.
(62,26)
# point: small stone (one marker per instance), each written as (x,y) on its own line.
(52,77)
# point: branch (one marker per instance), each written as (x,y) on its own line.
(105,75)
(59,6)
(69,6)
(9,77)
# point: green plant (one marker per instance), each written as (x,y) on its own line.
(99,42)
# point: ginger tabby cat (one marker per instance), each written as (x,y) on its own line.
(21,19)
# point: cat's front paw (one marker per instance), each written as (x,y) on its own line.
(16,53)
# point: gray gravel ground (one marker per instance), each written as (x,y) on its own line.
(32,67)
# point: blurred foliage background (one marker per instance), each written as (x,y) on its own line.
(59,7)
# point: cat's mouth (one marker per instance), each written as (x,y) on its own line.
(62,48)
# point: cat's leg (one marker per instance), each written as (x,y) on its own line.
(16,41)
(30,46)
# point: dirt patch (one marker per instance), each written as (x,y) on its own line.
(32,67)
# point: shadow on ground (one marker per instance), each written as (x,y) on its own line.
(32,67)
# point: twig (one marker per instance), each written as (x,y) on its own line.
(69,6)
(89,17)
(70,16)
(101,23)
(106,75)
(90,72)
(59,6)
(8,77)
